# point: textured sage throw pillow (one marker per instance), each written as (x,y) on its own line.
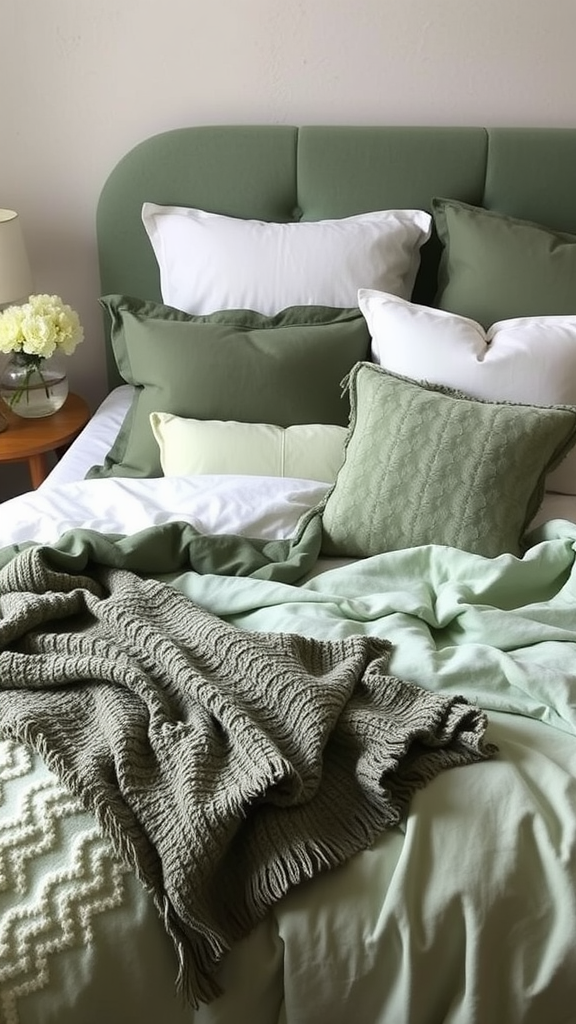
(231,365)
(426,464)
(495,267)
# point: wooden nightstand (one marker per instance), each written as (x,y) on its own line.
(29,440)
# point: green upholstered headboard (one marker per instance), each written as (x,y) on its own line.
(283,173)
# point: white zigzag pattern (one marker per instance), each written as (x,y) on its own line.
(32,830)
(15,760)
(57,914)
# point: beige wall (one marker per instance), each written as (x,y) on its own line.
(81,81)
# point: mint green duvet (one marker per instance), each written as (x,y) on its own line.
(466,914)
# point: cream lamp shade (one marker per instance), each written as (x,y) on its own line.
(15,275)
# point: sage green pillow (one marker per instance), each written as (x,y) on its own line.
(232,365)
(426,464)
(495,267)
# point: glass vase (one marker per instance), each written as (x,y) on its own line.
(33,386)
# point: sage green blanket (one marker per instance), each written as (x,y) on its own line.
(225,765)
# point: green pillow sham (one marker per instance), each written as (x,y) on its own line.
(232,365)
(494,267)
(426,464)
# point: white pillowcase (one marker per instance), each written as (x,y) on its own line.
(209,262)
(312,451)
(527,359)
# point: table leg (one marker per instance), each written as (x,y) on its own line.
(38,467)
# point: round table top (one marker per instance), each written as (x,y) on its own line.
(28,437)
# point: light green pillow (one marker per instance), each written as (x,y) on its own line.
(311,451)
(495,267)
(236,364)
(426,464)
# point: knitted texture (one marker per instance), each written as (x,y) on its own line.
(224,765)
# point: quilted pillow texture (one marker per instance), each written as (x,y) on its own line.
(494,267)
(430,465)
(310,451)
(525,359)
(235,365)
(209,262)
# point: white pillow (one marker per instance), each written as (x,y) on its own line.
(312,451)
(209,262)
(527,359)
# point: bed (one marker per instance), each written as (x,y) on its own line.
(287,637)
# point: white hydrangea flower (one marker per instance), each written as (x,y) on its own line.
(11,336)
(40,327)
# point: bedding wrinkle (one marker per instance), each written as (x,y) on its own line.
(423,969)
(457,931)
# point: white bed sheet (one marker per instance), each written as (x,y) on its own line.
(265,507)
(93,444)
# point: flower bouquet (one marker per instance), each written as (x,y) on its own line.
(34,382)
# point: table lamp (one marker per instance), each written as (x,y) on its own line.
(15,275)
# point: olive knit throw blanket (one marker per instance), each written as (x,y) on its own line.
(224,765)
